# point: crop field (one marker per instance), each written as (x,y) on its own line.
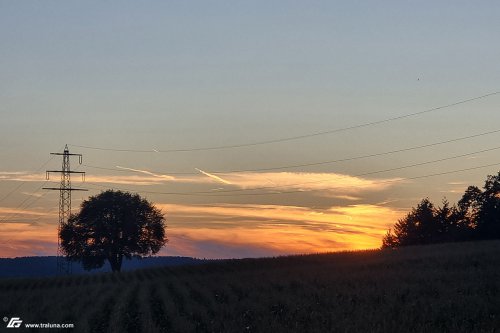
(438,288)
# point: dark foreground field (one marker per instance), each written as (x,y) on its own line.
(442,288)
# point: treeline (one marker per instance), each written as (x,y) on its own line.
(476,216)
(47,266)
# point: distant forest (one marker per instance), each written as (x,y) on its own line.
(476,216)
(47,266)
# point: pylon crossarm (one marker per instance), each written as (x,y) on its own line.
(66,189)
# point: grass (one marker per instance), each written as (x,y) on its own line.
(438,288)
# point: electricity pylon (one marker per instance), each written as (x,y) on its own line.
(65,189)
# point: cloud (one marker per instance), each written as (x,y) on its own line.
(184,244)
(306,181)
(126,180)
(457,183)
(370,215)
(151,179)
(276,229)
(346,197)
(246,242)
(217,178)
(11,173)
(25,239)
(19,211)
(332,185)
(147,173)
(235,231)
(34,194)
(335,183)
(21,176)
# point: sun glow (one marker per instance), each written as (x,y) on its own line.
(274,230)
(232,230)
(227,230)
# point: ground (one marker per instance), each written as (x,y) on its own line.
(438,288)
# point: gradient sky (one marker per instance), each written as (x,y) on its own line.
(166,75)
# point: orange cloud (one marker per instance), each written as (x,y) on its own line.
(232,230)
(228,230)
(18,211)
(274,230)
(27,239)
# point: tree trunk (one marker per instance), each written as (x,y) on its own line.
(116,262)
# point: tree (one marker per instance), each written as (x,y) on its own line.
(110,226)
(417,227)
(424,224)
(390,241)
(469,207)
(488,222)
(476,216)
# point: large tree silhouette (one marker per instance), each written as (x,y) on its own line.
(110,226)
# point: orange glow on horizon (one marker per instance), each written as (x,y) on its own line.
(277,230)
(232,230)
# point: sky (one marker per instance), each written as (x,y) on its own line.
(260,128)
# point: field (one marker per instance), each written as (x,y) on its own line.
(439,288)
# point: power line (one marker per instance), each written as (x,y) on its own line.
(15,215)
(310,190)
(381,182)
(24,182)
(20,206)
(291,138)
(233,191)
(313,163)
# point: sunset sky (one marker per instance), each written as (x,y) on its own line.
(258,127)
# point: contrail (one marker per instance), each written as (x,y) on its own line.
(147,172)
(214,177)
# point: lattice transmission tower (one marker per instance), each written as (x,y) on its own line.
(65,189)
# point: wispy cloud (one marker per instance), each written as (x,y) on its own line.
(125,180)
(457,183)
(347,197)
(369,216)
(278,229)
(331,182)
(20,211)
(217,178)
(9,173)
(147,173)
(334,185)
(235,230)
(21,176)
(25,239)
(34,194)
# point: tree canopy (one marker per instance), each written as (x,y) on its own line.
(475,216)
(110,226)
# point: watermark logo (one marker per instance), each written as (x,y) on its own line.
(15,322)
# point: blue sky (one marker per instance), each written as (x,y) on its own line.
(172,74)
